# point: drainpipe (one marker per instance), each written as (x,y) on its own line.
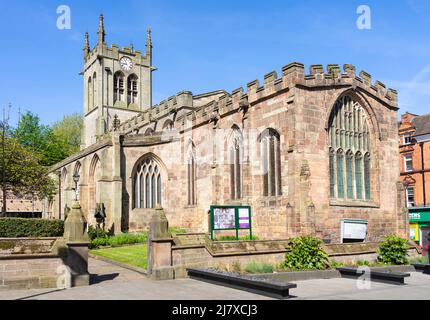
(423,173)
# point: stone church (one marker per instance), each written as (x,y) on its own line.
(307,151)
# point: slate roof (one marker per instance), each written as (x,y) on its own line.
(422,124)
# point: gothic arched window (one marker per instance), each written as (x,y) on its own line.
(118,87)
(94,88)
(147,181)
(191,171)
(90,94)
(270,150)
(349,140)
(235,160)
(132,90)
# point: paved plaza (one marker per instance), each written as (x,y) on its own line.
(111,282)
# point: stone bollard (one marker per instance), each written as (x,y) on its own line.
(77,240)
(160,247)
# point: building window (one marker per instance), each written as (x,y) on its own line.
(349,140)
(94,88)
(235,155)
(359,175)
(340,177)
(407,139)
(332,173)
(271,156)
(90,94)
(132,90)
(191,170)
(408,163)
(367,178)
(118,87)
(147,185)
(410,197)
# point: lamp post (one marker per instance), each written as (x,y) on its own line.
(76,178)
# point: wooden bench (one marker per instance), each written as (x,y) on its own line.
(377,276)
(424,267)
(268,287)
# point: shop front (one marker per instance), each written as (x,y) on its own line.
(419,219)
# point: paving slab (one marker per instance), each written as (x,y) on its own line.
(111,282)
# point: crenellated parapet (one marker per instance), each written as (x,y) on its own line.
(182,108)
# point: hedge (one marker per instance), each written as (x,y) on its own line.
(30,228)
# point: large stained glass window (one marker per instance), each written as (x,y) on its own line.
(147,185)
(349,140)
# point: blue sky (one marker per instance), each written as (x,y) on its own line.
(208,45)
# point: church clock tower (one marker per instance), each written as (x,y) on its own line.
(117,81)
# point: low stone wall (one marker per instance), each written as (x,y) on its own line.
(30,271)
(197,251)
(29,263)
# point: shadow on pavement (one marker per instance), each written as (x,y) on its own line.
(98,278)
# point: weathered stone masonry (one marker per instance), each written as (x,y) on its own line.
(297,106)
(266,146)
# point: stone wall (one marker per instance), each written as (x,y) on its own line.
(35,263)
(30,272)
(30,263)
(295,104)
(197,251)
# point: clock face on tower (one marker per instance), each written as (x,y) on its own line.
(126,63)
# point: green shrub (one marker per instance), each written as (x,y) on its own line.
(127,238)
(393,250)
(94,233)
(118,240)
(418,260)
(306,254)
(334,264)
(30,228)
(363,263)
(259,267)
(99,242)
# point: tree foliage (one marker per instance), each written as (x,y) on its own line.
(69,131)
(31,148)
(306,254)
(393,250)
(24,173)
(40,139)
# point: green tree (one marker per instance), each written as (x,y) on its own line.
(69,130)
(24,173)
(40,139)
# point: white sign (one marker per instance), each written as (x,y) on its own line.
(224,219)
(244,222)
(354,230)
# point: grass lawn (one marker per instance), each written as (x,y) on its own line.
(131,255)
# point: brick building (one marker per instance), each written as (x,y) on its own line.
(414,134)
(21,207)
(312,154)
